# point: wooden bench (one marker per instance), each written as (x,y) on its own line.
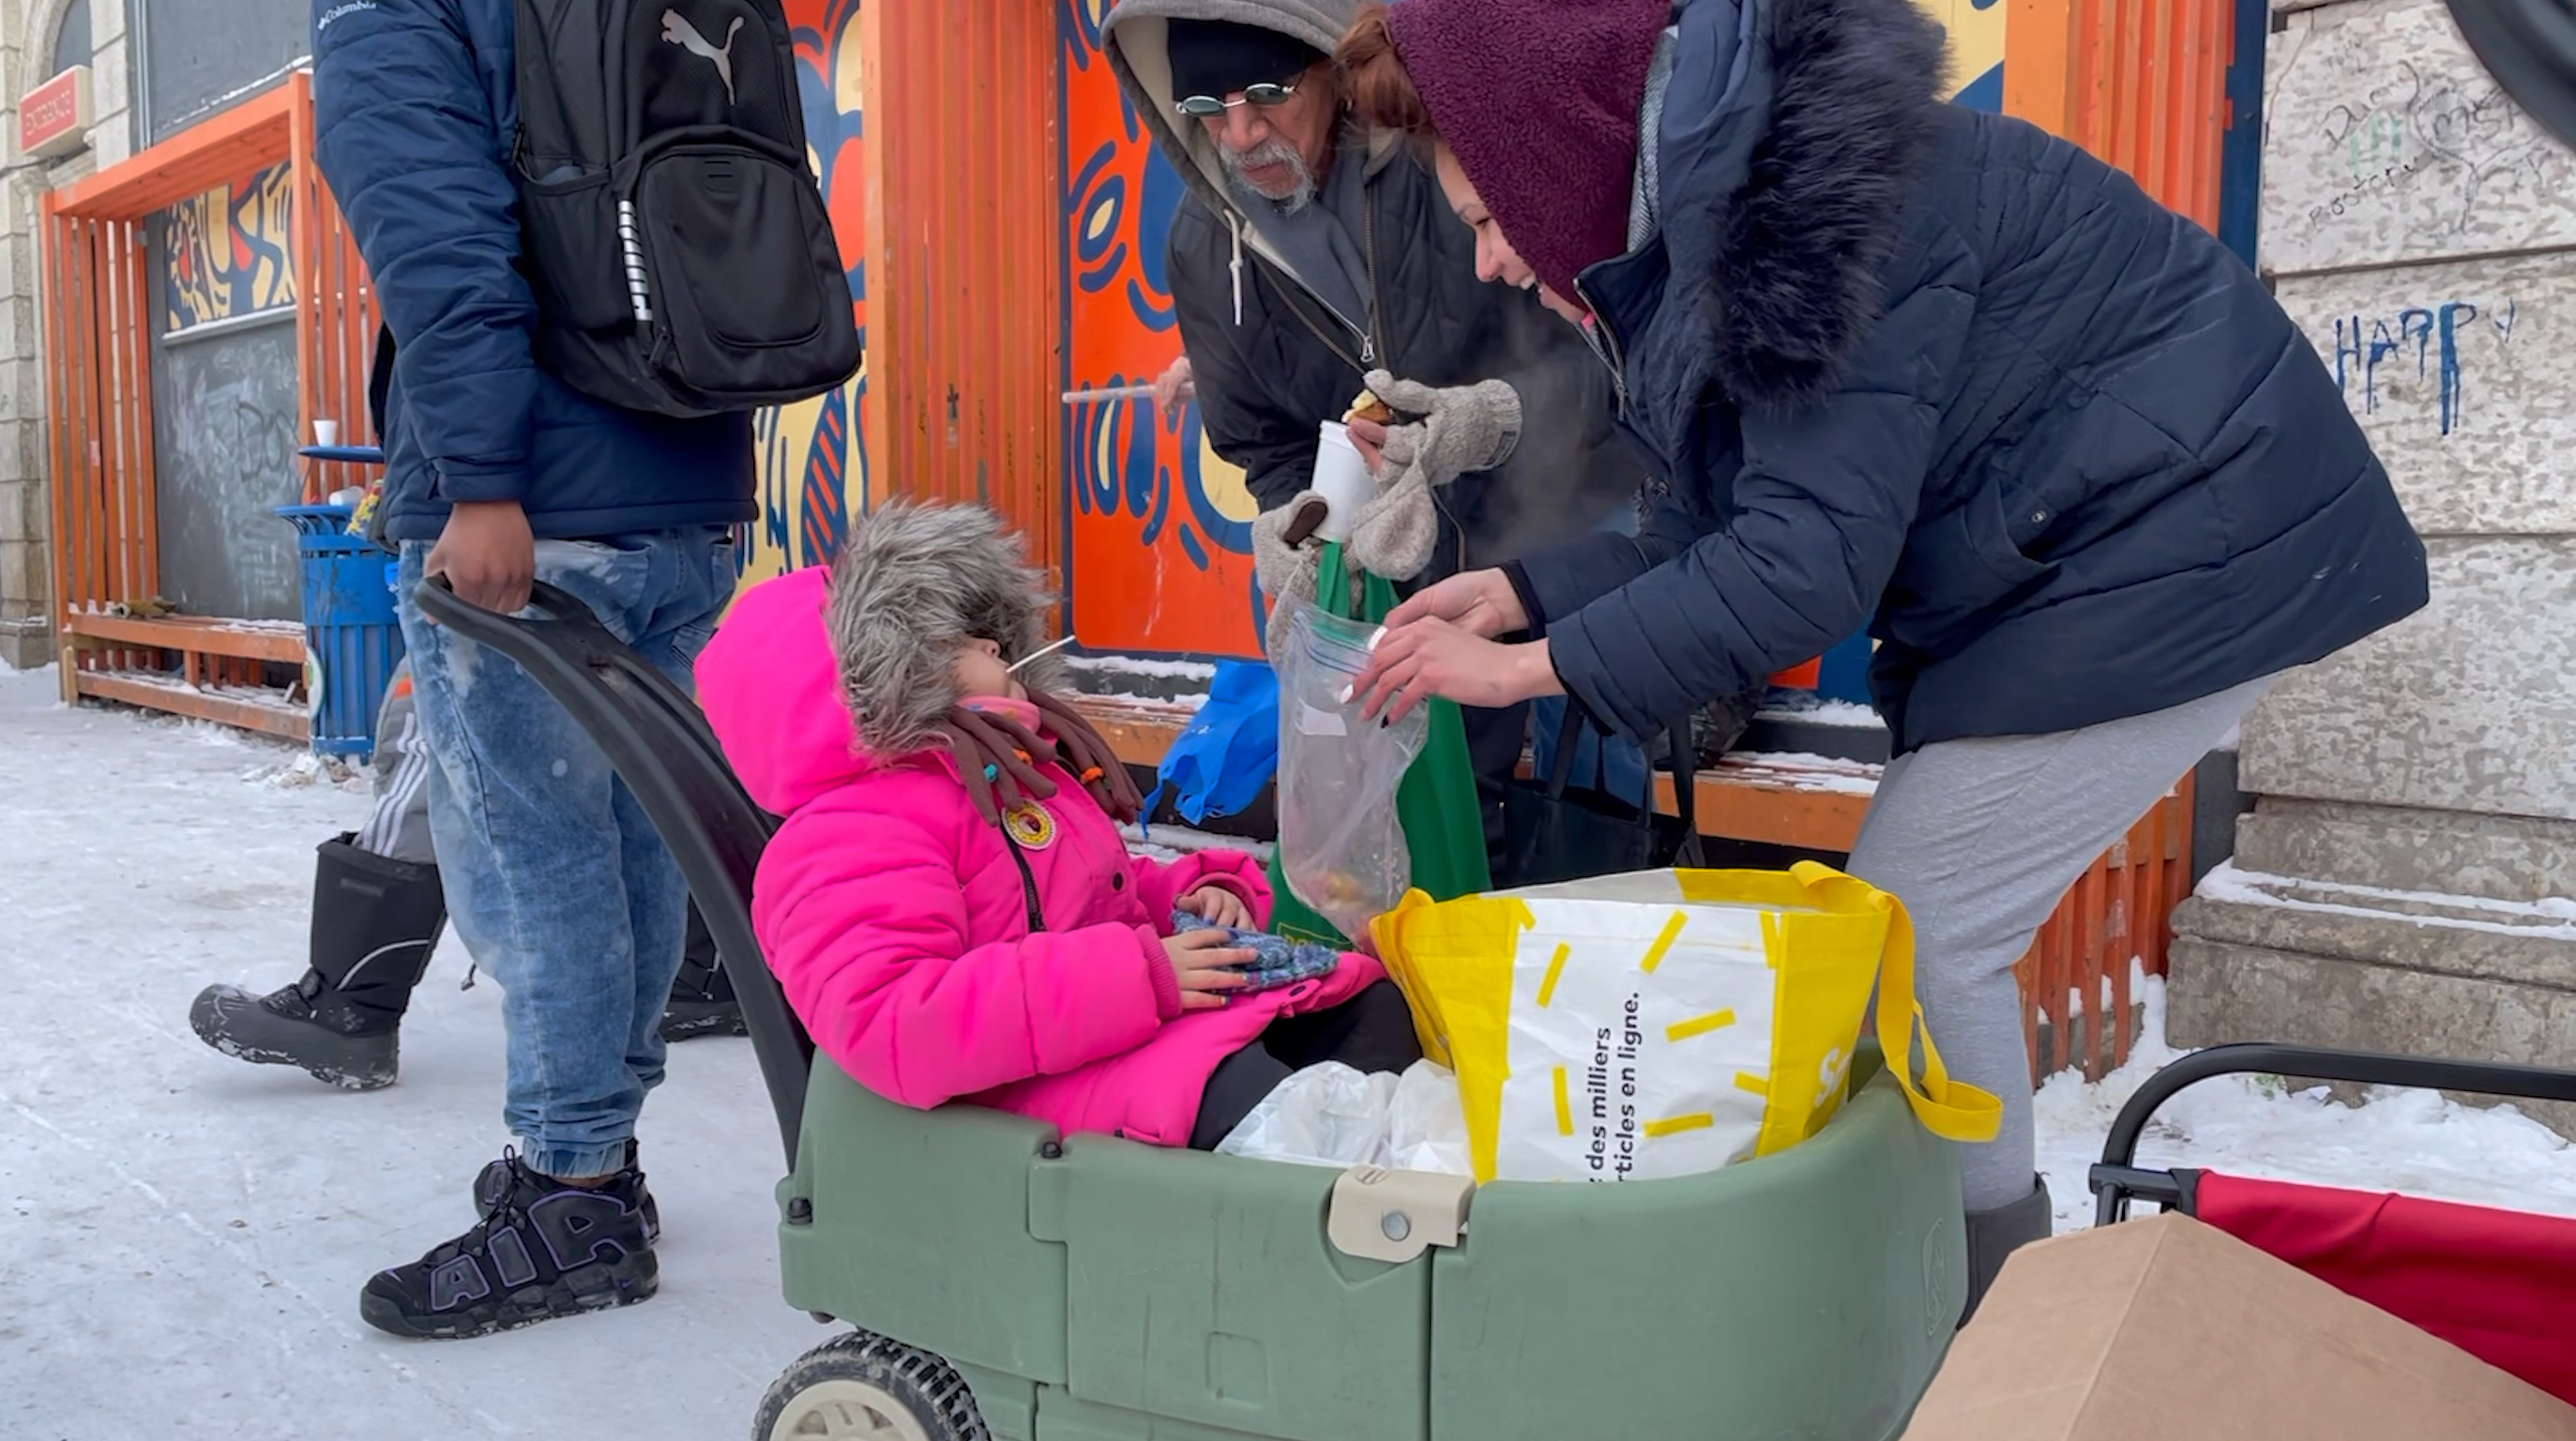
(1809,804)
(196,666)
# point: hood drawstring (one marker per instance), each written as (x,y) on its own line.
(1234,266)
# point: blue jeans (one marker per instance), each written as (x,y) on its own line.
(558,883)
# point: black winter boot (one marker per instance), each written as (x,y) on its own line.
(1994,1235)
(375,922)
(702,1001)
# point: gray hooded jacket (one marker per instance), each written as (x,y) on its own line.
(1271,359)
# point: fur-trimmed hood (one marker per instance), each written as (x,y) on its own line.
(1776,145)
(821,676)
(1789,139)
(913,585)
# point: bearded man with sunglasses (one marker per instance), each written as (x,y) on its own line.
(1304,257)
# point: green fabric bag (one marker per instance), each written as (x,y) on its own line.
(1444,830)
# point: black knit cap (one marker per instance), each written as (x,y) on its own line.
(1222,57)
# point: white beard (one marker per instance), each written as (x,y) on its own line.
(1272,152)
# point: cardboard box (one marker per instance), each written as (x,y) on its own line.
(2164,1328)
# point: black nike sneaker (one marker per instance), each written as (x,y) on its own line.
(494,1183)
(542,1250)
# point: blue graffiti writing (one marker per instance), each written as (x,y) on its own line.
(2433,334)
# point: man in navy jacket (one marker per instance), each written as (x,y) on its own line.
(500,475)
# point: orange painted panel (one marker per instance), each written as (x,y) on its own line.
(964,334)
(2140,83)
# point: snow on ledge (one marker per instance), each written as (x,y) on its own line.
(2552,918)
(1170,843)
(1141,666)
(1849,714)
(1799,770)
(1192,701)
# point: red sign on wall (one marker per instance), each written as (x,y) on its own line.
(54,118)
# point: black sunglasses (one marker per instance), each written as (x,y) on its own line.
(1264,95)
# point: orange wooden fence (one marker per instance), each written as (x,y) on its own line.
(2078,975)
(335,311)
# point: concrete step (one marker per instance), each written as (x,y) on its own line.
(2262,958)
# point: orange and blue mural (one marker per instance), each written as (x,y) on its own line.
(1976,50)
(1161,530)
(813,458)
(227,253)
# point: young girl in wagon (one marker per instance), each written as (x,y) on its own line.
(949,904)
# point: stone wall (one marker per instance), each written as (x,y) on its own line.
(2422,231)
(27,30)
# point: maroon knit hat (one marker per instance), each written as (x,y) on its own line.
(1538,100)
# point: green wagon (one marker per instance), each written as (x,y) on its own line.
(1001,1281)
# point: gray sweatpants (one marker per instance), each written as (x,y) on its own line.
(399,827)
(1981,839)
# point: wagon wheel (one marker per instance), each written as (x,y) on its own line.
(862,1387)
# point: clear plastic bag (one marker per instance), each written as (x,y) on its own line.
(1341,843)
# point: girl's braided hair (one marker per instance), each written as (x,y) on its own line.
(1001,759)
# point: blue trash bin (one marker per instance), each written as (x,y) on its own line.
(350,627)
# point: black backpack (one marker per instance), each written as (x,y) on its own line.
(676,240)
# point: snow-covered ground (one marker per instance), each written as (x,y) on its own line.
(2254,1126)
(182,1237)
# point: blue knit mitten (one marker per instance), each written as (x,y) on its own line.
(1277,961)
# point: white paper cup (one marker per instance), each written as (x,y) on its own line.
(1342,479)
(326,432)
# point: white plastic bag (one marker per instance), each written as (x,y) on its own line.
(1327,1115)
(1341,844)
(1331,1115)
(1426,1129)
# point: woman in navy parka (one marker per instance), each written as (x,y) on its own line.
(1900,364)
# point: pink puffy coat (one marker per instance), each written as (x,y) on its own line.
(898,926)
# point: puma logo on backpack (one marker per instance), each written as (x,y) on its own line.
(677,29)
(676,240)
